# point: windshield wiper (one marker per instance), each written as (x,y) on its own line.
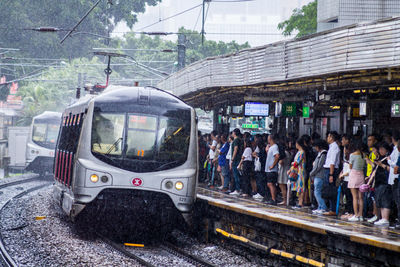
(113,146)
(166,164)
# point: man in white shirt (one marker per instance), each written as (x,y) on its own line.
(271,166)
(394,178)
(331,167)
(211,156)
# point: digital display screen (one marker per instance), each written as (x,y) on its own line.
(256,109)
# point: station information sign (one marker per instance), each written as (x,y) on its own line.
(250,126)
(306,112)
(256,109)
(289,110)
(395,109)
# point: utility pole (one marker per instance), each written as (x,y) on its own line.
(181,50)
(204,20)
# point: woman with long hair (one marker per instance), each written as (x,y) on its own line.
(299,164)
(356,179)
(260,156)
(246,164)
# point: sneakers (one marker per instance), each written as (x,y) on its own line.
(234,193)
(382,222)
(318,212)
(258,197)
(272,202)
(354,218)
(329,213)
(373,219)
(220,187)
(225,190)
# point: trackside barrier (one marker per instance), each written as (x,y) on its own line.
(271,250)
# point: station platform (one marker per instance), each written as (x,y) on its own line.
(333,234)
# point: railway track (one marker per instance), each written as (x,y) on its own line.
(23,190)
(167,247)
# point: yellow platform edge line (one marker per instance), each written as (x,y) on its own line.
(273,251)
(375,243)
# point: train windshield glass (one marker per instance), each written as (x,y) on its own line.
(45,134)
(141,143)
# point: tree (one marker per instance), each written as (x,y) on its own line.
(17,16)
(303,20)
(195,50)
(56,88)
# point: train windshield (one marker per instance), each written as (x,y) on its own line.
(45,134)
(141,143)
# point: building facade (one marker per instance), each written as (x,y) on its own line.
(338,13)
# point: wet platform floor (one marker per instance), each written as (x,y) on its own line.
(363,233)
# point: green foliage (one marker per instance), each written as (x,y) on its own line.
(303,20)
(17,15)
(56,88)
(195,50)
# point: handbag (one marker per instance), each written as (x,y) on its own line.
(257,165)
(293,174)
(367,187)
(329,191)
(371,178)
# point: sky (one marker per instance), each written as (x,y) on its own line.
(254,21)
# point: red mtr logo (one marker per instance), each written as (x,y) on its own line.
(137,182)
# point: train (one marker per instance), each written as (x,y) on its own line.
(42,142)
(131,149)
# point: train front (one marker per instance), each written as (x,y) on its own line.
(42,142)
(139,153)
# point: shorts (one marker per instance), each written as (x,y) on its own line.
(383,196)
(272,177)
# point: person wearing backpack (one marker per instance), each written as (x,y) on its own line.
(317,174)
(284,166)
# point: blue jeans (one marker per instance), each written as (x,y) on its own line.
(318,184)
(226,175)
(236,175)
(332,201)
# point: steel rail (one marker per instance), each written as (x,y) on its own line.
(5,257)
(193,259)
(126,252)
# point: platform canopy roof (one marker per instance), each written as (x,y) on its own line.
(325,60)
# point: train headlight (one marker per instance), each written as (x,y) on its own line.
(94,178)
(179,185)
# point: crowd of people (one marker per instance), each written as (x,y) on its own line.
(345,176)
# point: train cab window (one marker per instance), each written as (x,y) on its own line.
(173,139)
(141,137)
(45,134)
(39,132)
(107,133)
(52,133)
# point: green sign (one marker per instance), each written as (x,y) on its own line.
(306,112)
(250,126)
(395,109)
(289,109)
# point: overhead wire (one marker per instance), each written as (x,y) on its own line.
(170,17)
